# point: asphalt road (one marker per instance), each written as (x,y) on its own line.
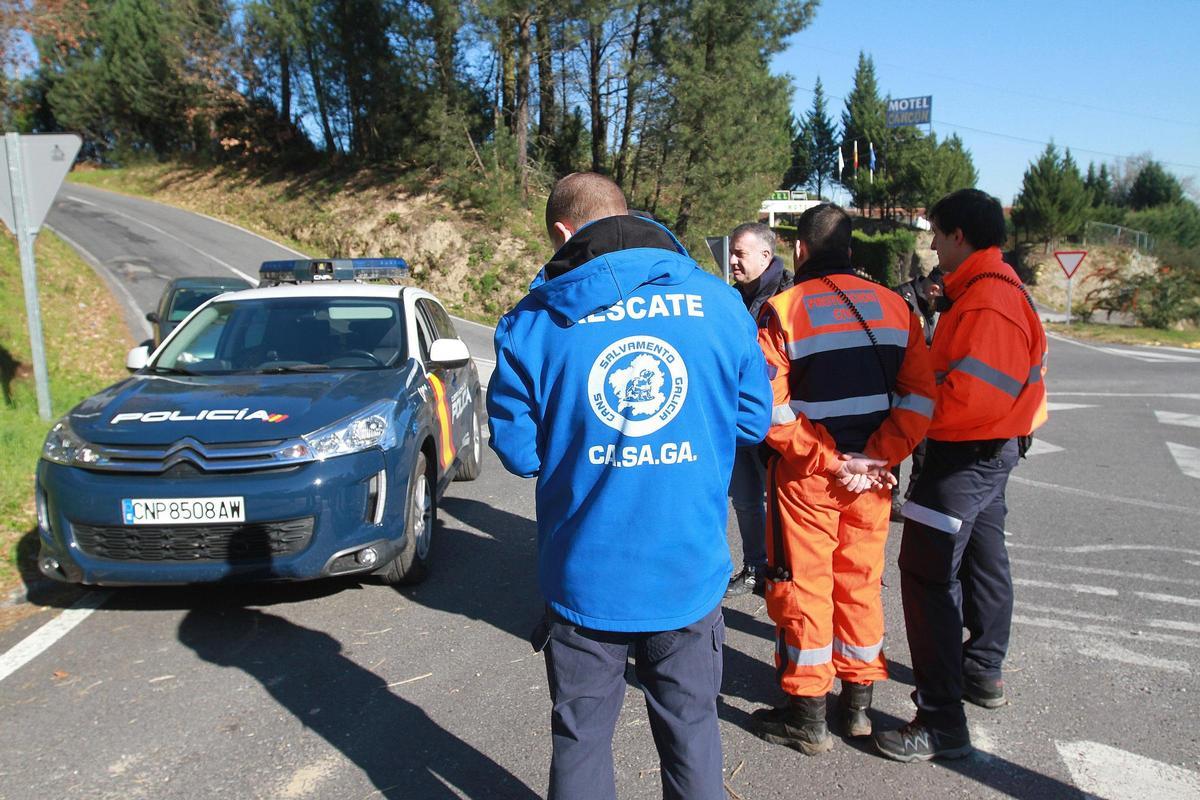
(355,690)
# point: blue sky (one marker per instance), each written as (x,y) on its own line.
(1107,79)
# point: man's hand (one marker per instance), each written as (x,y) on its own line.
(857,473)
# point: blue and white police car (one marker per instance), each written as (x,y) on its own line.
(302,429)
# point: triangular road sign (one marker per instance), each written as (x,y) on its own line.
(1070,260)
(45,160)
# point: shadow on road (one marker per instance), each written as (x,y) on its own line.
(491,578)
(404,753)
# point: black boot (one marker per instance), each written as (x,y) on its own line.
(853,704)
(798,724)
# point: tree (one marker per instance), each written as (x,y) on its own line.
(1052,200)
(820,140)
(800,169)
(950,168)
(864,120)
(1154,186)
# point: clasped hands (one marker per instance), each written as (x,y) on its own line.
(858,473)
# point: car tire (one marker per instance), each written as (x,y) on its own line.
(411,564)
(471,462)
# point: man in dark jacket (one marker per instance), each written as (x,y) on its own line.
(625,380)
(759,275)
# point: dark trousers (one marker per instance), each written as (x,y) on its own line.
(680,674)
(747,485)
(954,572)
(918,459)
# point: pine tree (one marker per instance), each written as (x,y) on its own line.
(801,167)
(820,140)
(864,120)
(1154,186)
(1052,201)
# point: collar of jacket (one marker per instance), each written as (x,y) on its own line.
(606,261)
(988,260)
(823,264)
(765,285)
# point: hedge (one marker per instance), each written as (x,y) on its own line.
(883,256)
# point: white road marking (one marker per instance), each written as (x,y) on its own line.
(111,280)
(35,643)
(1174,625)
(1067,612)
(983,741)
(1114,774)
(79,200)
(1186,458)
(1078,588)
(1066,406)
(1147,354)
(1102,548)
(1129,501)
(1116,573)
(280,245)
(1170,396)
(1095,647)
(1175,418)
(1106,629)
(1041,447)
(1169,598)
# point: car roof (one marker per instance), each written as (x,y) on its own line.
(208,282)
(321,289)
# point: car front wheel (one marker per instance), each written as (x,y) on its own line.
(471,462)
(411,564)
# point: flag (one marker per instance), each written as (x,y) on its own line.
(841,164)
(856,156)
(872,146)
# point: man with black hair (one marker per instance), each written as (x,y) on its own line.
(853,392)
(625,380)
(758,275)
(989,358)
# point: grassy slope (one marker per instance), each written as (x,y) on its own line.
(1121,334)
(86,340)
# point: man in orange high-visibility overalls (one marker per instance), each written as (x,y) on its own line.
(853,394)
(988,355)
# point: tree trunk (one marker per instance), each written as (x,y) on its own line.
(508,76)
(524,53)
(314,72)
(285,83)
(547,107)
(631,88)
(595,61)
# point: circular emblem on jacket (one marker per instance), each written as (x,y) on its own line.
(637,385)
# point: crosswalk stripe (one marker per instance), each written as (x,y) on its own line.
(1186,458)
(1097,647)
(1041,447)
(1052,406)
(1116,774)
(1151,357)
(1175,418)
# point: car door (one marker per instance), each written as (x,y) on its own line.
(451,389)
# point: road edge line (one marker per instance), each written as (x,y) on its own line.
(40,640)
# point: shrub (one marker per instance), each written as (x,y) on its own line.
(883,256)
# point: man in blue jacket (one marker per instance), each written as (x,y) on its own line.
(624,382)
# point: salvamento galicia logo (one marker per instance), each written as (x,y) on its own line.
(637,385)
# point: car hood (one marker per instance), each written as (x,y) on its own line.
(219,409)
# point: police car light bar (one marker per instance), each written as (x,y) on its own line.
(306,270)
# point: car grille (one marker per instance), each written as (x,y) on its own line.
(235,542)
(190,453)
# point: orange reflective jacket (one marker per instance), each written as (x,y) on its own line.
(835,392)
(989,355)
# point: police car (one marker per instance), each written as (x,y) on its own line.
(302,429)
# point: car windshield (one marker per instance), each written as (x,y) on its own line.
(186,301)
(295,334)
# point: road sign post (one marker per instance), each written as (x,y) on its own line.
(1069,260)
(719,247)
(33,168)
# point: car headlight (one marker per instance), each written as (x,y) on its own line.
(374,426)
(64,446)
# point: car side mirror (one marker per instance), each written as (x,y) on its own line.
(138,358)
(152,316)
(449,353)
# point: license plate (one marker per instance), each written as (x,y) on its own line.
(183,510)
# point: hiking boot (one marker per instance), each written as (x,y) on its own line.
(916,741)
(799,724)
(853,704)
(986,692)
(747,581)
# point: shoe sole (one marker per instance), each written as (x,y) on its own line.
(862,731)
(807,748)
(908,758)
(987,702)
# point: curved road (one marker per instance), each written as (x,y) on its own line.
(354,690)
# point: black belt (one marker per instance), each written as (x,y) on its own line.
(980,448)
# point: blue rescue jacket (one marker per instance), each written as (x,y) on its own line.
(624,381)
